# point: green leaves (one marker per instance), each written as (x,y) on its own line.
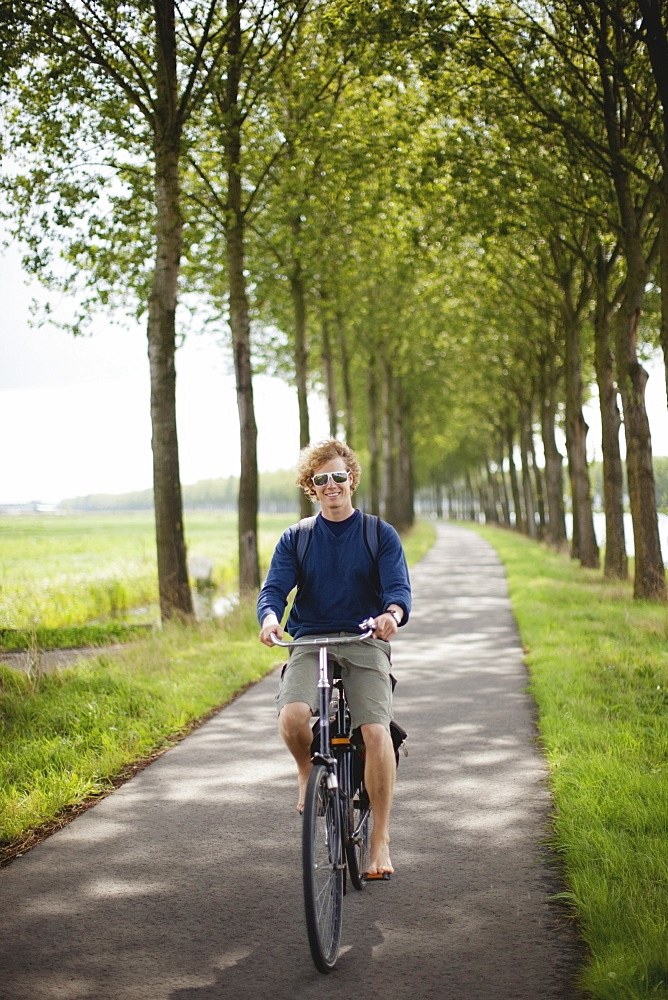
(417,164)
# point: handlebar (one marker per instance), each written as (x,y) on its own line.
(369,625)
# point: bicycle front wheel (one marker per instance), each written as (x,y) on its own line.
(323,870)
(357,846)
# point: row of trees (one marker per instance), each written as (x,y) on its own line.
(451,218)
(588,81)
(482,492)
(278,493)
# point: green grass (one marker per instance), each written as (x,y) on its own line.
(76,569)
(598,663)
(418,540)
(68,637)
(67,736)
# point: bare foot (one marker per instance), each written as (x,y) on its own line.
(380,857)
(380,868)
(303,782)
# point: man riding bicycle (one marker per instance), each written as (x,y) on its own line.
(341,579)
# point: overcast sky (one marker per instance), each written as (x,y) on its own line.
(75,419)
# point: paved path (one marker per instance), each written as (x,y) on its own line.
(185,883)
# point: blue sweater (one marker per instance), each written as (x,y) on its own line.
(339,583)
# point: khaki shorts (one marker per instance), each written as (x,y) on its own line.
(365,671)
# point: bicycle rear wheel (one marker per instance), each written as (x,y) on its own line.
(357,843)
(322,863)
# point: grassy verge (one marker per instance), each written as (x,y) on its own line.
(599,673)
(66,736)
(68,637)
(418,540)
(73,734)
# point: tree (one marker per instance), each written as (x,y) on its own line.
(270,47)
(654,33)
(597,95)
(118,85)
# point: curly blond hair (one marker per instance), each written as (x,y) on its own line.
(315,455)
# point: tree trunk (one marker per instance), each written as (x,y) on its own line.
(505,501)
(388,487)
(514,484)
(540,492)
(374,441)
(404,513)
(584,546)
(175,596)
(649,578)
(469,500)
(438,500)
(452,504)
(249,566)
(301,362)
(554,476)
(493,502)
(656,38)
(525,453)
(301,359)
(483,496)
(349,415)
(616,560)
(663,275)
(327,359)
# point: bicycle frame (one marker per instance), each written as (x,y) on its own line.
(331,848)
(325,755)
(324,686)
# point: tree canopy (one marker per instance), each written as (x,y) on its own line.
(451,219)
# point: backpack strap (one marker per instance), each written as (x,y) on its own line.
(371,531)
(304,533)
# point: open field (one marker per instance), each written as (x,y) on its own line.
(77,569)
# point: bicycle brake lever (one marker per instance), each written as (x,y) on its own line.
(368,625)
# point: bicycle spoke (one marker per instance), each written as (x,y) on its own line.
(323,873)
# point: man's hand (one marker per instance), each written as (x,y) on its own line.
(270,626)
(386,626)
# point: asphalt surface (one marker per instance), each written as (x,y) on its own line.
(185,884)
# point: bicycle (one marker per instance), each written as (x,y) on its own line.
(335,836)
